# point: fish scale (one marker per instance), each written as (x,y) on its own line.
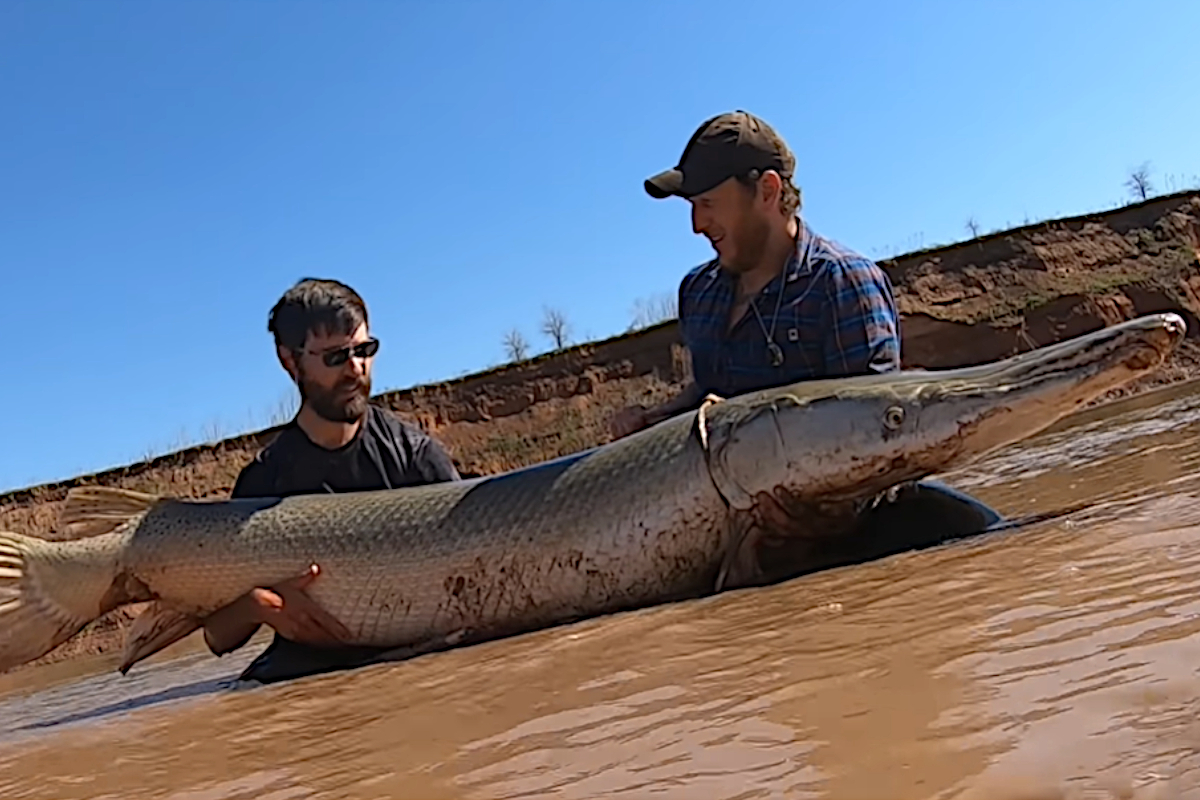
(545,542)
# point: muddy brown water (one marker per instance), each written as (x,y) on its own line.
(1059,660)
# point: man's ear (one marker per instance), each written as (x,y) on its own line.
(287,360)
(771,187)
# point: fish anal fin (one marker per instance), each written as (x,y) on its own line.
(158,626)
(97,510)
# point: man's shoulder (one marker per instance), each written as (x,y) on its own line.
(837,265)
(834,252)
(387,423)
(699,273)
(258,475)
(696,282)
(279,445)
(403,434)
(417,451)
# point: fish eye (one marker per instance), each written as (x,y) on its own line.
(893,418)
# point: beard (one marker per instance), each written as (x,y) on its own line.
(346,401)
(749,236)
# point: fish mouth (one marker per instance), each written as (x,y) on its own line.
(1015,398)
(1082,367)
(1117,353)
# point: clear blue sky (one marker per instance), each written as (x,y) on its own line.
(169,168)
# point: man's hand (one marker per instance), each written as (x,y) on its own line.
(629,420)
(294,615)
(285,607)
(785,518)
(781,517)
(634,418)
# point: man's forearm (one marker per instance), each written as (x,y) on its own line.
(686,400)
(228,628)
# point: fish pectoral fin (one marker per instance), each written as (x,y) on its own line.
(740,567)
(159,626)
(97,510)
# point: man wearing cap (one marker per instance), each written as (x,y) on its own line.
(779,303)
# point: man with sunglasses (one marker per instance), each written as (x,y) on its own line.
(337,442)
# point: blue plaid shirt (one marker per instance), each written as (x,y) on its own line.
(837,317)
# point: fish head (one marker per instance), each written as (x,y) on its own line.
(850,439)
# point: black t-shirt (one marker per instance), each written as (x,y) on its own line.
(387,453)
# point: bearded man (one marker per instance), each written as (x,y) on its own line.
(779,303)
(337,442)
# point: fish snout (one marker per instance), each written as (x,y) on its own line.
(1163,334)
(1172,331)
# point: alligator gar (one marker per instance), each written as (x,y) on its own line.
(666,514)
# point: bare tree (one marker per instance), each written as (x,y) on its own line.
(1139,181)
(649,311)
(555,325)
(973,227)
(515,345)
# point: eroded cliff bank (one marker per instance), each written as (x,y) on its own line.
(967,303)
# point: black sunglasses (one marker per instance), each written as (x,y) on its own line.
(335,358)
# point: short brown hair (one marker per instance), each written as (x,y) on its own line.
(789,198)
(316,305)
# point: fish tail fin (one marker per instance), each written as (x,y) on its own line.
(50,590)
(43,600)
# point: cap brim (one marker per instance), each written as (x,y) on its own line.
(665,184)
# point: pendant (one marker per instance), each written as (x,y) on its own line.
(776,354)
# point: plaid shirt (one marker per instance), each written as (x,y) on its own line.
(837,317)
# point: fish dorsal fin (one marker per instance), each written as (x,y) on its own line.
(97,510)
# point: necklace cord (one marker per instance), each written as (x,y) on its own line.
(772,346)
